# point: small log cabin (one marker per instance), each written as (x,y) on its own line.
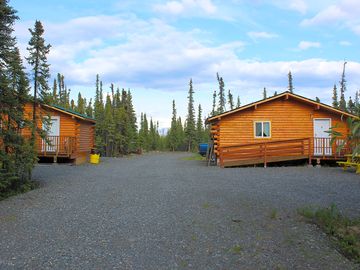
(70,134)
(280,128)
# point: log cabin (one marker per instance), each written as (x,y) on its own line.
(70,135)
(280,128)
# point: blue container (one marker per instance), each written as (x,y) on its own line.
(203,148)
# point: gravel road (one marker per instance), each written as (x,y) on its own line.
(159,211)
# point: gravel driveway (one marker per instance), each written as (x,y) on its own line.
(160,211)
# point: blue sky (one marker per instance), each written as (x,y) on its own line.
(155,47)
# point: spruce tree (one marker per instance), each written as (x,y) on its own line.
(81,106)
(173,140)
(238,103)
(342,102)
(275,93)
(190,120)
(199,126)
(290,86)
(264,93)
(335,102)
(37,59)
(230,100)
(213,112)
(317,99)
(351,106)
(17,155)
(222,101)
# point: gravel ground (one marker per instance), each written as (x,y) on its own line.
(159,211)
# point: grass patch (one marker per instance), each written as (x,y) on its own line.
(194,157)
(206,205)
(236,249)
(273,214)
(344,231)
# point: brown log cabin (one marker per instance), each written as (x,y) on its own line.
(280,128)
(70,135)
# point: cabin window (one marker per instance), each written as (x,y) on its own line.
(262,129)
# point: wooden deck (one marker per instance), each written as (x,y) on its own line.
(285,150)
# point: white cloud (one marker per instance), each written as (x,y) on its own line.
(263,35)
(298,5)
(157,60)
(304,45)
(183,6)
(345,43)
(345,13)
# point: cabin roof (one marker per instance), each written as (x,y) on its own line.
(284,94)
(70,112)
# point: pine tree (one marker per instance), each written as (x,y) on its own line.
(99,117)
(275,93)
(89,109)
(81,106)
(230,100)
(213,112)
(17,155)
(109,128)
(72,105)
(238,104)
(222,101)
(190,120)
(173,140)
(37,59)
(357,103)
(351,106)
(199,126)
(335,102)
(264,93)
(55,96)
(290,86)
(317,99)
(342,102)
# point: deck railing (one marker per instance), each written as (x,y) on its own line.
(264,152)
(324,148)
(56,146)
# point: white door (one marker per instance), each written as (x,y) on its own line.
(53,135)
(322,145)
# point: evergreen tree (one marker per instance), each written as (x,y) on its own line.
(290,86)
(342,102)
(89,109)
(238,104)
(37,59)
(213,112)
(199,126)
(190,120)
(275,93)
(72,105)
(230,100)
(173,140)
(55,97)
(264,93)
(222,101)
(351,106)
(317,99)
(99,117)
(109,128)
(335,102)
(81,106)
(17,155)
(357,103)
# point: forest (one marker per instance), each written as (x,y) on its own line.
(118,131)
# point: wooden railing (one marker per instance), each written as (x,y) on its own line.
(56,146)
(264,152)
(324,148)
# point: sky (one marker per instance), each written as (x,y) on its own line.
(155,47)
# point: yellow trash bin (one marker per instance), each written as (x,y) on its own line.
(94,158)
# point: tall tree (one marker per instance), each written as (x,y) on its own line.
(335,102)
(173,139)
(37,59)
(17,156)
(264,93)
(342,102)
(351,106)
(213,112)
(199,126)
(190,120)
(230,100)
(238,103)
(222,101)
(290,86)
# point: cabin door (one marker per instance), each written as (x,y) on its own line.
(53,135)
(322,145)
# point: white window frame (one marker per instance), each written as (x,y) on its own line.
(262,129)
